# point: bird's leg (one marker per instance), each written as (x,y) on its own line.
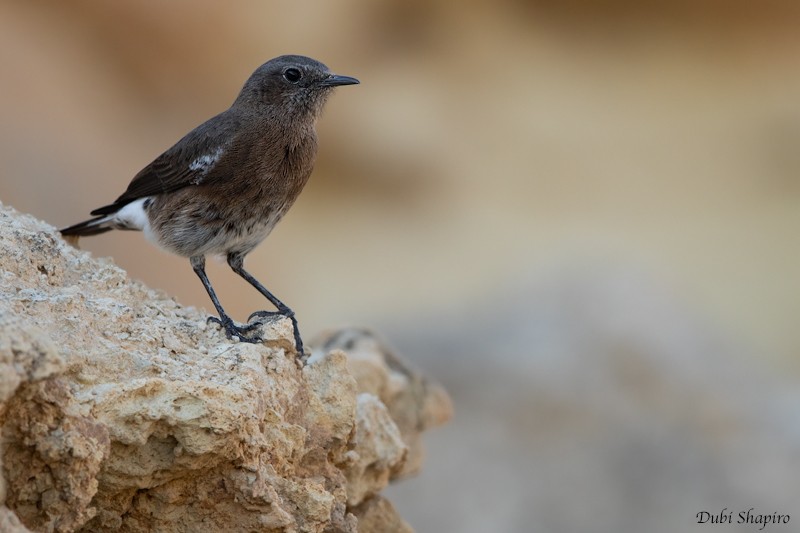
(231,329)
(236,262)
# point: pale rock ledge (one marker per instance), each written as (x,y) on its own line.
(124,411)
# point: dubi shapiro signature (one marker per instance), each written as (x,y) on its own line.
(750,516)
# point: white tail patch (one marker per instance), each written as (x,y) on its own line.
(133,216)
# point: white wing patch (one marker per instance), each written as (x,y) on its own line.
(203,164)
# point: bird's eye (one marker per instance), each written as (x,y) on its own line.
(292,74)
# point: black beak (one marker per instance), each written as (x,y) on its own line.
(334,80)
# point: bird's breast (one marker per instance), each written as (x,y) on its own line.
(236,213)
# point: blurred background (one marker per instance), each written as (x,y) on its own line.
(582,217)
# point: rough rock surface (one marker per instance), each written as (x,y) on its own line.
(123,411)
(414,402)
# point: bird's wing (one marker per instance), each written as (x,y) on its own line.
(202,156)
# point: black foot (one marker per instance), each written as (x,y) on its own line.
(264,314)
(232,330)
(298,342)
(288,313)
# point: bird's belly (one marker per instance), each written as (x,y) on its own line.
(191,230)
(244,236)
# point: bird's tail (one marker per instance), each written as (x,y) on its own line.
(94,226)
(130,216)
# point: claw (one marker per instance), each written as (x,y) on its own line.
(232,330)
(298,342)
(287,313)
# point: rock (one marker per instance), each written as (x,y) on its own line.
(122,410)
(379,451)
(378,514)
(9,523)
(414,402)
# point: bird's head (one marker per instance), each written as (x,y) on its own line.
(294,85)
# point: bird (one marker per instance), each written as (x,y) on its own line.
(222,188)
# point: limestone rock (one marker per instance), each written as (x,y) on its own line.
(379,451)
(414,402)
(9,523)
(378,514)
(123,411)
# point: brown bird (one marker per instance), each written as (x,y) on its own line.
(222,188)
